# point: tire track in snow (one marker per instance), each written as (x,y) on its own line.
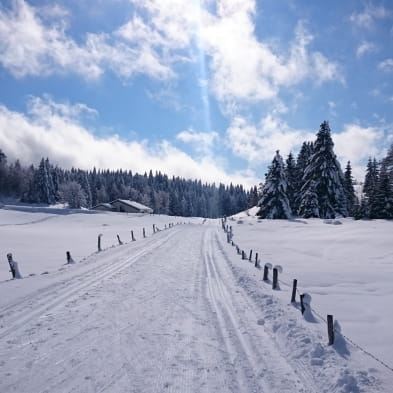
(257,365)
(15,315)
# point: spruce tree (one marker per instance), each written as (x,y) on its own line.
(325,171)
(302,160)
(349,188)
(291,173)
(274,203)
(381,205)
(309,204)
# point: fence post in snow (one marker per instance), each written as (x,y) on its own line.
(14,269)
(228,238)
(144,232)
(69,258)
(118,239)
(99,242)
(266,271)
(250,256)
(238,249)
(256,259)
(330,329)
(293,298)
(154,228)
(132,236)
(275,278)
(243,255)
(303,309)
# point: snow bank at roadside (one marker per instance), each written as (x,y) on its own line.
(346,266)
(38,236)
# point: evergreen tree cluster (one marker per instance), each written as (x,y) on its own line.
(79,188)
(314,185)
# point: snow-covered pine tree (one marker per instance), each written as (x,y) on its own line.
(325,171)
(349,188)
(309,204)
(274,203)
(302,161)
(381,204)
(291,173)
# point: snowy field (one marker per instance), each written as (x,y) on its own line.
(179,311)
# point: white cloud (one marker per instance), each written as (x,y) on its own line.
(244,68)
(202,142)
(35,41)
(364,48)
(386,65)
(368,17)
(356,143)
(55,130)
(257,144)
(28,46)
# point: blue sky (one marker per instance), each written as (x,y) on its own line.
(199,88)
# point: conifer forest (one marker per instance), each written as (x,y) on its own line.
(311,186)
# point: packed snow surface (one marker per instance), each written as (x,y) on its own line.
(180,311)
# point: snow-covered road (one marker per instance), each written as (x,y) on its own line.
(163,314)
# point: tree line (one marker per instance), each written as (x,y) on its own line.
(51,184)
(314,185)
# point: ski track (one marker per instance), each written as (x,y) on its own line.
(161,315)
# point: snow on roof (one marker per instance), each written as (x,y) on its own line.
(107,205)
(134,204)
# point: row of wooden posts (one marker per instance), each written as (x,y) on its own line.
(14,268)
(276,269)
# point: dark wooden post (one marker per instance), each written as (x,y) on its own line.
(144,232)
(303,309)
(118,239)
(99,242)
(275,278)
(13,267)
(132,236)
(228,238)
(238,249)
(294,287)
(266,272)
(256,259)
(69,258)
(330,329)
(250,256)
(12,270)
(243,255)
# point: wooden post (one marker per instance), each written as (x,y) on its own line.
(303,309)
(256,259)
(238,249)
(132,236)
(330,329)
(243,255)
(12,270)
(69,258)
(232,243)
(293,298)
(118,239)
(228,238)
(275,278)
(13,267)
(154,228)
(144,232)
(250,256)
(266,271)
(99,242)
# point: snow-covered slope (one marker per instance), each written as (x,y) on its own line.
(179,310)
